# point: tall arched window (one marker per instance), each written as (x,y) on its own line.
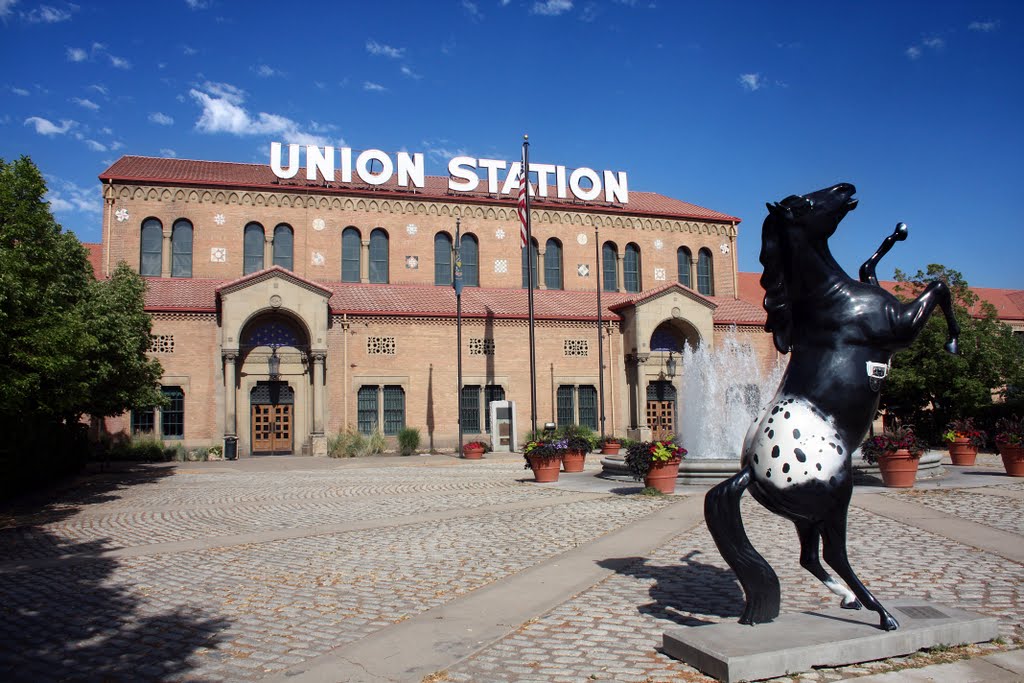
(181,249)
(683,261)
(151,253)
(350,244)
(284,247)
(553,264)
(442,259)
(610,267)
(705,273)
(469,252)
(631,268)
(253,258)
(378,256)
(536,255)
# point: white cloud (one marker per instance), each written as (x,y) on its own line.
(86,103)
(119,63)
(188,50)
(168,153)
(20,91)
(551,8)
(196,4)
(115,145)
(917,50)
(160,118)
(752,81)
(5,7)
(472,10)
(95,146)
(266,71)
(99,88)
(373,87)
(439,151)
(409,73)
(77,54)
(45,14)
(223,113)
(934,43)
(46,127)
(914,52)
(984,26)
(65,196)
(380,50)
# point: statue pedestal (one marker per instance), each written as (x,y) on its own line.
(318,446)
(830,637)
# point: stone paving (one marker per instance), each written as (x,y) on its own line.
(236,574)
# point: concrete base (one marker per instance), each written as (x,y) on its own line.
(318,446)
(831,637)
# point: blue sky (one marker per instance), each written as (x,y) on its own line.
(723,104)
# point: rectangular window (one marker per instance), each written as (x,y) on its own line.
(471,409)
(588,406)
(367,408)
(143,421)
(394,410)
(566,405)
(492,392)
(172,417)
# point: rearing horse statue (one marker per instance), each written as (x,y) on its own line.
(841,335)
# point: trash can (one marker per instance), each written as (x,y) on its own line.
(230,447)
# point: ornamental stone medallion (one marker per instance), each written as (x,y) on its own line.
(218,254)
(412,229)
(501,265)
(319,224)
(581,238)
(318,259)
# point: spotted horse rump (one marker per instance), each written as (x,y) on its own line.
(840,334)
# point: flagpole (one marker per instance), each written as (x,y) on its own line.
(529,284)
(457,285)
(600,330)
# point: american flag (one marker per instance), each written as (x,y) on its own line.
(521,208)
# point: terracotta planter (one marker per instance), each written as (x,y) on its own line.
(1013,459)
(899,469)
(473,453)
(662,475)
(545,468)
(611,448)
(573,461)
(962,452)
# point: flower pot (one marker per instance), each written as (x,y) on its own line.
(899,469)
(1013,459)
(573,461)
(473,453)
(662,475)
(962,452)
(545,467)
(611,448)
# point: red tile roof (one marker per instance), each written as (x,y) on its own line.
(95,252)
(260,176)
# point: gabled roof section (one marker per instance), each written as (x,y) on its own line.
(267,274)
(153,171)
(640,298)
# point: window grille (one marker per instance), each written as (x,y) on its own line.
(394,409)
(380,346)
(350,245)
(172,418)
(481,347)
(705,281)
(631,268)
(378,256)
(471,409)
(469,252)
(588,406)
(161,343)
(553,264)
(366,402)
(566,405)
(252,245)
(284,243)
(609,258)
(181,249)
(683,261)
(442,259)
(576,347)
(152,248)
(143,421)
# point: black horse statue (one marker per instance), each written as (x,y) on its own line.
(796,456)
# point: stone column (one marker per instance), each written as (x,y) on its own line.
(620,259)
(318,440)
(364,262)
(539,267)
(640,430)
(230,359)
(165,253)
(268,250)
(693,273)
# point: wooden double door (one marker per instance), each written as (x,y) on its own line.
(661,410)
(273,414)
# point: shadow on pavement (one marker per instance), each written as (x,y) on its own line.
(681,592)
(79,620)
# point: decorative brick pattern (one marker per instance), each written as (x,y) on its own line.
(481,347)
(161,343)
(576,347)
(380,346)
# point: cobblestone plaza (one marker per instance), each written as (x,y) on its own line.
(296,568)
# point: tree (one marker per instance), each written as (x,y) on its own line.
(928,386)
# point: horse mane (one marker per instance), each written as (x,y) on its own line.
(773,280)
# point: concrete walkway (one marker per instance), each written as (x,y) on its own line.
(434,568)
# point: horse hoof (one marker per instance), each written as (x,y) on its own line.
(952,347)
(853,604)
(889,623)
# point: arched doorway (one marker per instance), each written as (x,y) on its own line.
(272,405)
(667,343)
(661,409)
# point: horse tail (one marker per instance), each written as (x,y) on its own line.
(759,581)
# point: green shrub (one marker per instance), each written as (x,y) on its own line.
(348,444)
(376,444)
(408,440)
(215,452)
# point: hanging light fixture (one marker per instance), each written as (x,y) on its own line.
(670,365)
(274,364)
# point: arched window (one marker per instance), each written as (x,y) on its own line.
(469,252)
(536,255)
(631,268)
(284,247)
(152,247)
(181,249)
(253,259)
(610,267)
(683,261)
(442,259)
(378,256)
(705,273)
(553,264)
(350,245)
